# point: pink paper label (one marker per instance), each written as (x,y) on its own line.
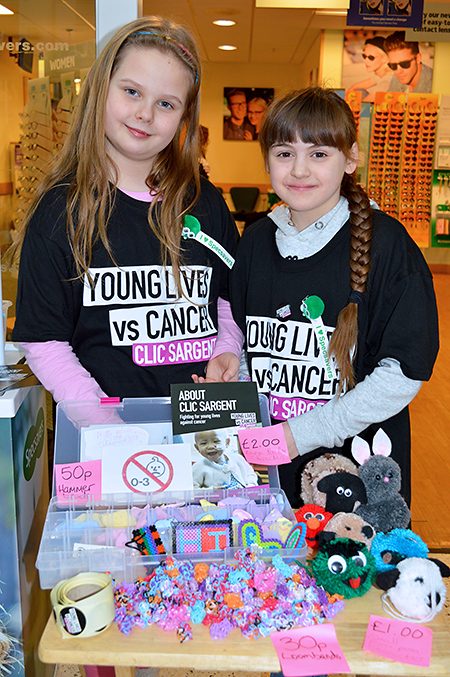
(173,352)
(309,651)
(264,446)
(399,640)
(78,480)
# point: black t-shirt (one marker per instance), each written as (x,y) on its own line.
(130,331)
(397,319)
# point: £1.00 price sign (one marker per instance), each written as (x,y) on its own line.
(264,446)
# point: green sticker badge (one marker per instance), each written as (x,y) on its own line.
(193,230)
(312,308)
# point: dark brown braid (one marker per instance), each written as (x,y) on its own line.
(345,335)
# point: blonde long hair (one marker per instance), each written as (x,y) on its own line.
(320,116)
(84,164)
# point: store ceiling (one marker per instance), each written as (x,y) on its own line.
(261,34)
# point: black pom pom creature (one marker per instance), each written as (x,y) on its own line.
(344,567)
(385,509)
(343,491)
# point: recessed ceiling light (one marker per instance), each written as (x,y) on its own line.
(5,10)
(227,48)
(224,22)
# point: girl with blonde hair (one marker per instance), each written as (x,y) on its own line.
(117,295)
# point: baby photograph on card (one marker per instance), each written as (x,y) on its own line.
(208,417)
(217,460)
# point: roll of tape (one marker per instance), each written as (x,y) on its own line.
(83,606)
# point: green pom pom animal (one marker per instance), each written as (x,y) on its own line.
(344,567)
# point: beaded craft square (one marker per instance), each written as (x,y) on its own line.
(147,540)
(197,537)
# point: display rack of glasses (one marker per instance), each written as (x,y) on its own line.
(44,129)
(403,135)
(62,111)
(354,100)
(36,142)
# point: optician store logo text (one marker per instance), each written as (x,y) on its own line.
(16,46)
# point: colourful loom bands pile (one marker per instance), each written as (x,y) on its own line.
(253,596)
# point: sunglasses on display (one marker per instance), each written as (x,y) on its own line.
(401,64)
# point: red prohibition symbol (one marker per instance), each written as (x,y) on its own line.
(147,471)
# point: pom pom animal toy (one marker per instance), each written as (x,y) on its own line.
(324,465)
(343,491)
(391,548)
(350,525)
(415,589)
(315,517)
(344,567)
(385,509)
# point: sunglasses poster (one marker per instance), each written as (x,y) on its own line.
(401,13)
(384,61)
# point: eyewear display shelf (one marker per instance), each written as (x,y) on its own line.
(400,171)
(153,647)
(44,128)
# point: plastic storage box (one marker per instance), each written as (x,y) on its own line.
(91,536)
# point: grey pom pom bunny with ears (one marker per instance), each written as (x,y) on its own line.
(385,509)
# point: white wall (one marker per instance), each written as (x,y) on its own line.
(239,161)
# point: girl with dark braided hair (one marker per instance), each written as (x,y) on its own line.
(335,300)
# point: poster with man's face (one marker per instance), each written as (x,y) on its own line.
(389,13)
(384,61)
(244,110)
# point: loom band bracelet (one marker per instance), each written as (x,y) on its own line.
(83,606)
(192,230)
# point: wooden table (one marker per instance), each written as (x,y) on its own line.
(152,647)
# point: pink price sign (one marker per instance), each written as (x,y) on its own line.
(399,640)
(79,480)
(264,446)
(309,651)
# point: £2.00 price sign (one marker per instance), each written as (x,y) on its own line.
(264,446)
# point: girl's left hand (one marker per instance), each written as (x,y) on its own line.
(220,369)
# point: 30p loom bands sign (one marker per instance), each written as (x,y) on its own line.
(192,230)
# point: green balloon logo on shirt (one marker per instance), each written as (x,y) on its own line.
(312,308)
(191,227)
(192,230)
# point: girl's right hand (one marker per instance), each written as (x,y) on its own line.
(220,369)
